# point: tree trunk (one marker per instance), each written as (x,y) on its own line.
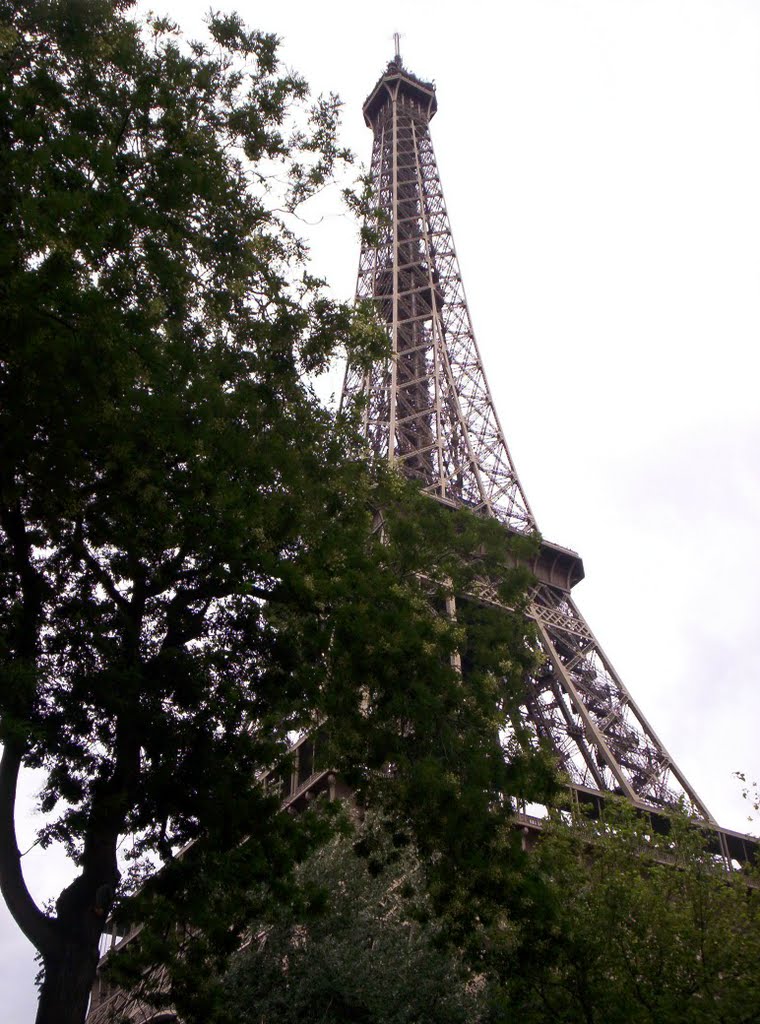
(69,966)
(67,980)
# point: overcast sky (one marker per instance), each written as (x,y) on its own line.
(600,161)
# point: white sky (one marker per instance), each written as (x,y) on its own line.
(600,160)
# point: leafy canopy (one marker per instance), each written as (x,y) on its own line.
(644,928)
(626,926)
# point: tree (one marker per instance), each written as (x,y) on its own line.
(628,927)
(188,568)
(361,945)
(644,929)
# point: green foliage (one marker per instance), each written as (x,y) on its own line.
(643,929)
(161,456)
(362,947)
(624,926)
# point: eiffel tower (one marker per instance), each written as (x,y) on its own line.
(428,410)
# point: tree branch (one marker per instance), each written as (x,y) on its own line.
(100,574)
(182,624)
(123,127)
(31,581)
(38,928)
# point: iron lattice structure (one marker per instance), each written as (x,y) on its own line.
(429,410)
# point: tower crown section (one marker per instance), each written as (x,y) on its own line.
(401,88)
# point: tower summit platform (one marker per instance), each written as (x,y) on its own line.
(400,86)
